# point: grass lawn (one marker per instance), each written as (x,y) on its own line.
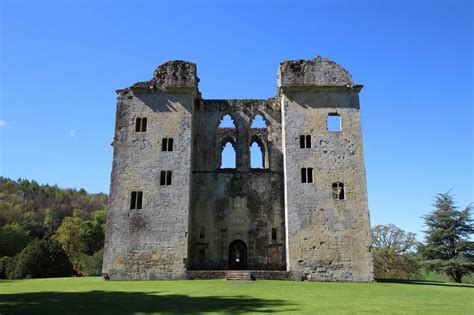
(93,295)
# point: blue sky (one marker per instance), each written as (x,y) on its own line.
(61,61)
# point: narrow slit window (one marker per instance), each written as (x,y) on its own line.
(139,199)
(338,191)
(170,144)
(136,200)
(168,177)
(308,141)
(162,178)
(302,142)
(202,232)
(164,144)
(144,122)
(133,200)
(274,234)
(334,123)
(303,175)
(138,124)
(310,175)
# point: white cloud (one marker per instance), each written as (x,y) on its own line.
(3,123)
(72,133)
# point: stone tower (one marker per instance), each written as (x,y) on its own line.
(176,213)
(328,230)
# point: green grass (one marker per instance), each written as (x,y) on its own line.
(95,296)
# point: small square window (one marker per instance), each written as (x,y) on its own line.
(305,141)
(140,124)
(167,144)
(136,200)
(338,191)
(334,123)
(307,175)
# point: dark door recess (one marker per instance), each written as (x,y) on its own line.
(237,255)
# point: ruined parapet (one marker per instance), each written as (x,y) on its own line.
(315,72)
(174,74)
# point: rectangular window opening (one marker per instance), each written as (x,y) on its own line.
(334,123)
(303,175)
(133,200)
(139,199)
(164,144)
(338,191)
(170,144)
(144,124)
(302,142)
(202,232)
(168,178)
(162,178)
(308,141)
(310,175)
(138,124)
(274,234)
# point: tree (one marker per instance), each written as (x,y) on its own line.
(447,247)
(71,237)
(40,259)
(393,252)
(13,238)
(94,231)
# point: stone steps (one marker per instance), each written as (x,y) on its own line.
(238,276)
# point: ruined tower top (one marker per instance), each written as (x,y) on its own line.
(173,74)
(315,72)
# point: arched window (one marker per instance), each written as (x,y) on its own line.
(227,122)
(228,155)
(259,122)
(257,155)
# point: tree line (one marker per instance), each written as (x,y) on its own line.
(46,231)
(447,248)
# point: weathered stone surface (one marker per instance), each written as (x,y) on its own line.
(318,71)
(290,229)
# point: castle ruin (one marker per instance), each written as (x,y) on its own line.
(175,213)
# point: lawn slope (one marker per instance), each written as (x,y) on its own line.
(95,296)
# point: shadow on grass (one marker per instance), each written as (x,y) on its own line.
(103,302)
(426,282)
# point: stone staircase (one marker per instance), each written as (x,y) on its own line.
(238,275)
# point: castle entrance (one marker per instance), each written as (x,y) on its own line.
(237,255)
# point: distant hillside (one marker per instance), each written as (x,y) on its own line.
(41,208)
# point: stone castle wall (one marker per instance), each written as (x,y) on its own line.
(189,224)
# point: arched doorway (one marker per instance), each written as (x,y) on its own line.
(237,255)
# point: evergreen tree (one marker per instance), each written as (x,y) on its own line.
(447,247)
